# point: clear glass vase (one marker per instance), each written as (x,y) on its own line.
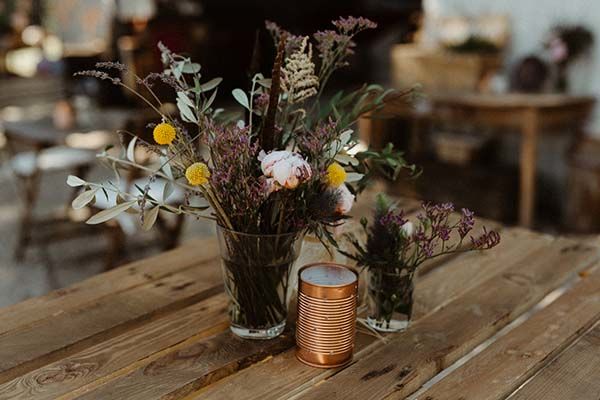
(390,299)
(256,270)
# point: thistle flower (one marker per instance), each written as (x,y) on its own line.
(197,174)
(299,79)
(336,175)
(164,133)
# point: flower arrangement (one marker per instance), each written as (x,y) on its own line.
(395,247)
(565,44)
(290,165)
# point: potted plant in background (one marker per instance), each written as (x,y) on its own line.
(395,247)
(291,166)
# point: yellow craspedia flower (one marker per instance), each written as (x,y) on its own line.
(164,133)
(336,175)
(197,174)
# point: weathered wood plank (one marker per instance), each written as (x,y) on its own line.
(281,376)
(96,364)
(180,372)
(48,340)
(439,339)
(109,283)
(575,374)
(507,363)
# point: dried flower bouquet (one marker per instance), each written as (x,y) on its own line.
(290,166)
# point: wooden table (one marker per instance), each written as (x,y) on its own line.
(157,329)
(530,114)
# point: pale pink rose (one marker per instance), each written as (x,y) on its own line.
(271,186)
(286,168)
(345,200)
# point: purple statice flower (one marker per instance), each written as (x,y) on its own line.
(313,143)
(351,24)
(436,213)
(466,223)
(487,240)
(293,42)
(261,102)
(426,246)
(390,247)
(443,232)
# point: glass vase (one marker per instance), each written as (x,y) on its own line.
(256,270)
(390,299)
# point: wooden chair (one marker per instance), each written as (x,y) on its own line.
(28,168)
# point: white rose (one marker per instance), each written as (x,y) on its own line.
(345,200)
(286,168)
(408,229)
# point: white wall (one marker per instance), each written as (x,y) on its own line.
(530,22)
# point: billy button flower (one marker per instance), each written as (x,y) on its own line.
(164,133)
(336,175)
(197,174)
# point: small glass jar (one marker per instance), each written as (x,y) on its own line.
(390,299)
(256,270)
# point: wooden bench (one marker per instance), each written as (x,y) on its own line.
(158,329)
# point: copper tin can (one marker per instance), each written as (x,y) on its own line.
(326,322)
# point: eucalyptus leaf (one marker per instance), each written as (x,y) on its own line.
(110,213)
(150,217)
(241,97)
(178,70)
(131,149)
(84,199)
(346,136)
(166,167)
(186,113)
(185,99)
(75,181)
(210,100)
(167,191)
(190,68)
(213,83)
(346,159)
(264,83)
(353,177)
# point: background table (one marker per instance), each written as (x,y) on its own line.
(530,114)
(158,329)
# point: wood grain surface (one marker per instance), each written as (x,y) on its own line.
(506,364)
(439,339)
(157,329)
(575,374)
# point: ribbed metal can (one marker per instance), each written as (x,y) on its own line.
(326,323)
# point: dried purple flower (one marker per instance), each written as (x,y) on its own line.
(111,65)
(466,223)
(388,245)
(100,75)
(486,241)
(351,25)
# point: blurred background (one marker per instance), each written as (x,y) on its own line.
(504,121)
